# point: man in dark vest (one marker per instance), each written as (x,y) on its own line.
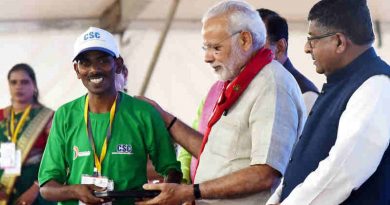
(342,156)
(277,41)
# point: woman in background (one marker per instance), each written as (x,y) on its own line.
(24,127)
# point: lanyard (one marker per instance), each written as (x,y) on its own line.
(14,132)
(98,161)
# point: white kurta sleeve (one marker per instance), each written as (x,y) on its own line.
(275,197)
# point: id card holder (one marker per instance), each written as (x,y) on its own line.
(105,183)
(99,181)
(17,168)
(7,155)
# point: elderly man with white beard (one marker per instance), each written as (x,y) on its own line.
(255,122)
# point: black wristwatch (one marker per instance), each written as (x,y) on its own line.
(197,193)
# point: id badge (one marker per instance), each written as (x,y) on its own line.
(17,168)
(7,155)
(100,181)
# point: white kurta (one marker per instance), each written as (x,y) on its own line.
(260,128)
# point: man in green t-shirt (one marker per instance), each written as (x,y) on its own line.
(103,135)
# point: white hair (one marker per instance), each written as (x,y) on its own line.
(241,16)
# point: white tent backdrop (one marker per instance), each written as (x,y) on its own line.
(181,78)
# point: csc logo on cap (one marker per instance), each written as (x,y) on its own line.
(92,35)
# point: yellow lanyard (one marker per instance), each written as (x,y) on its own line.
(14,133)
(98,162)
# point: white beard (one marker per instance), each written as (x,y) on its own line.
(231,69)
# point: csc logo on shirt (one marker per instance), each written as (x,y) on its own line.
(123,149)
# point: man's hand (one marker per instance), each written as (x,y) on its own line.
(55,191)
(181,133)
(171,194)
(167,117)
(152,102)
(29,196)
(83,192)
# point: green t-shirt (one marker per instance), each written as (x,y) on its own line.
(137,131)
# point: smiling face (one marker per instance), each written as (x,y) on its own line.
(21,87)
(97,70)
(323,48)
(222,51)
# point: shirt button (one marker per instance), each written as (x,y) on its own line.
(290,160)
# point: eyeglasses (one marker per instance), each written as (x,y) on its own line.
(310,39)
(216,47)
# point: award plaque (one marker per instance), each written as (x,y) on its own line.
(127,194)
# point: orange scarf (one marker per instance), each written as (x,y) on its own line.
(233,90)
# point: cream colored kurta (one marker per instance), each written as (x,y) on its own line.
(260,128)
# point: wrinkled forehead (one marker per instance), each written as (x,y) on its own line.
(215,25)
(214,29)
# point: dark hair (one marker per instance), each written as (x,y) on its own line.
(266,13)
(30,72)
(351,17)
(276,25)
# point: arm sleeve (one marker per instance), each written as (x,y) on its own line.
(362,138)
(275,197)
(184,158)
(275,122)
(160,145)
(53,166)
